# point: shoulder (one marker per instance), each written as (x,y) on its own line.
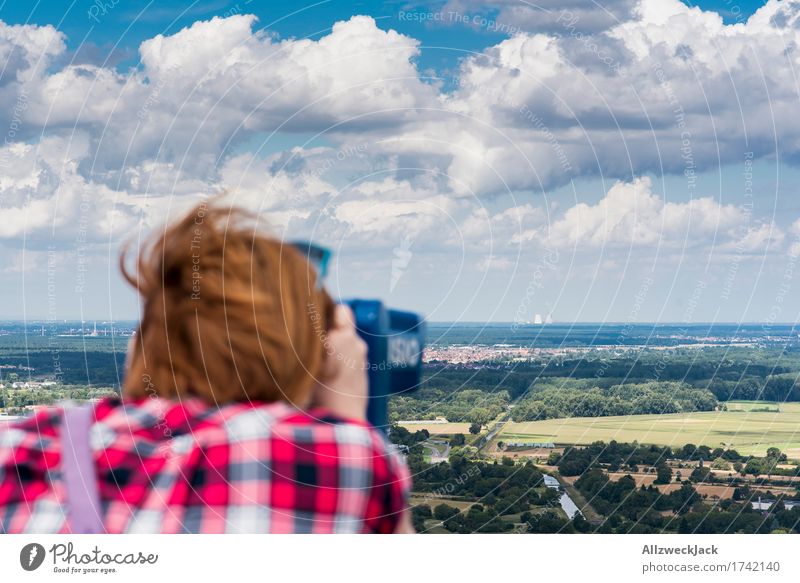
(370,476)
(316,471)
(357,441)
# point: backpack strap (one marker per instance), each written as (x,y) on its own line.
(78,472)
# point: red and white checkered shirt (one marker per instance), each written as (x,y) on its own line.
(172,467)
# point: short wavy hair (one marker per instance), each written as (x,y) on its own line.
(229,313)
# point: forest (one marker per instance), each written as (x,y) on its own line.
(649,381)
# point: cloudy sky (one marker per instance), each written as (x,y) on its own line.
(618,160)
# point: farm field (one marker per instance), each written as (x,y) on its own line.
(749,432)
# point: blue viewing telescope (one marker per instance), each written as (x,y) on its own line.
(395,341)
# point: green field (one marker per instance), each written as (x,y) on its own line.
(749,432)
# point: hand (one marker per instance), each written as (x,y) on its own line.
(343,387)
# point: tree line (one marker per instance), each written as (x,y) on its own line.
(548,401)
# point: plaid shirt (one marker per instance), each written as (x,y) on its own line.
(173,467)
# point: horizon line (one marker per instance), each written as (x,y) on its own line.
(61,321)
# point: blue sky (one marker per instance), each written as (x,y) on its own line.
(115,32)
(470,160)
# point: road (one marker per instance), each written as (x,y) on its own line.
(499,424)
(496,428)
(436,455)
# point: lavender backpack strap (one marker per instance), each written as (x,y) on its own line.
(78,472)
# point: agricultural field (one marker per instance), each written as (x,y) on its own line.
(744,427)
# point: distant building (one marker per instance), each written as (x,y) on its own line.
(765,504)
(531,444)
(424,421)
(551,482)
(32,384)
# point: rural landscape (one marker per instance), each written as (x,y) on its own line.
(615,428)
(544,429)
